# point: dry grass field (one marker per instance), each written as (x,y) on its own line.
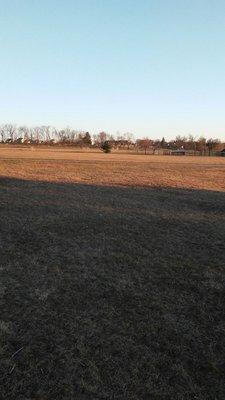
(69,166)
(112,276)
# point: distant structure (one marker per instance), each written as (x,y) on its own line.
(178,152)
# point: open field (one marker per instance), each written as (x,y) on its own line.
(112,276)
(67,165)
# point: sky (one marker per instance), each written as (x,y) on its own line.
(150,67)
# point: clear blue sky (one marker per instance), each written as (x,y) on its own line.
(150,67)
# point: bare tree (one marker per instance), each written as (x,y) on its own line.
(201,145)
(24,133)
(73,136)
(2,133)
(10,132)
(144,144)
(46,133)
(37,134)
(100,138)
(180,142)
(212,145)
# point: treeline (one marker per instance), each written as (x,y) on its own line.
(10,133)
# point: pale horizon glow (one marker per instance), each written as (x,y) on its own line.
(152,68)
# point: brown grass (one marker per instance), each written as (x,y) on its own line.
(66,165)
(110,292)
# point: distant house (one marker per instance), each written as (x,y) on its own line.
(162,152)
(19,140)
(178,152)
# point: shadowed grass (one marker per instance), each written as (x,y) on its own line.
(111,293)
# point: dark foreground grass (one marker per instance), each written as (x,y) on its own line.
(111,293)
